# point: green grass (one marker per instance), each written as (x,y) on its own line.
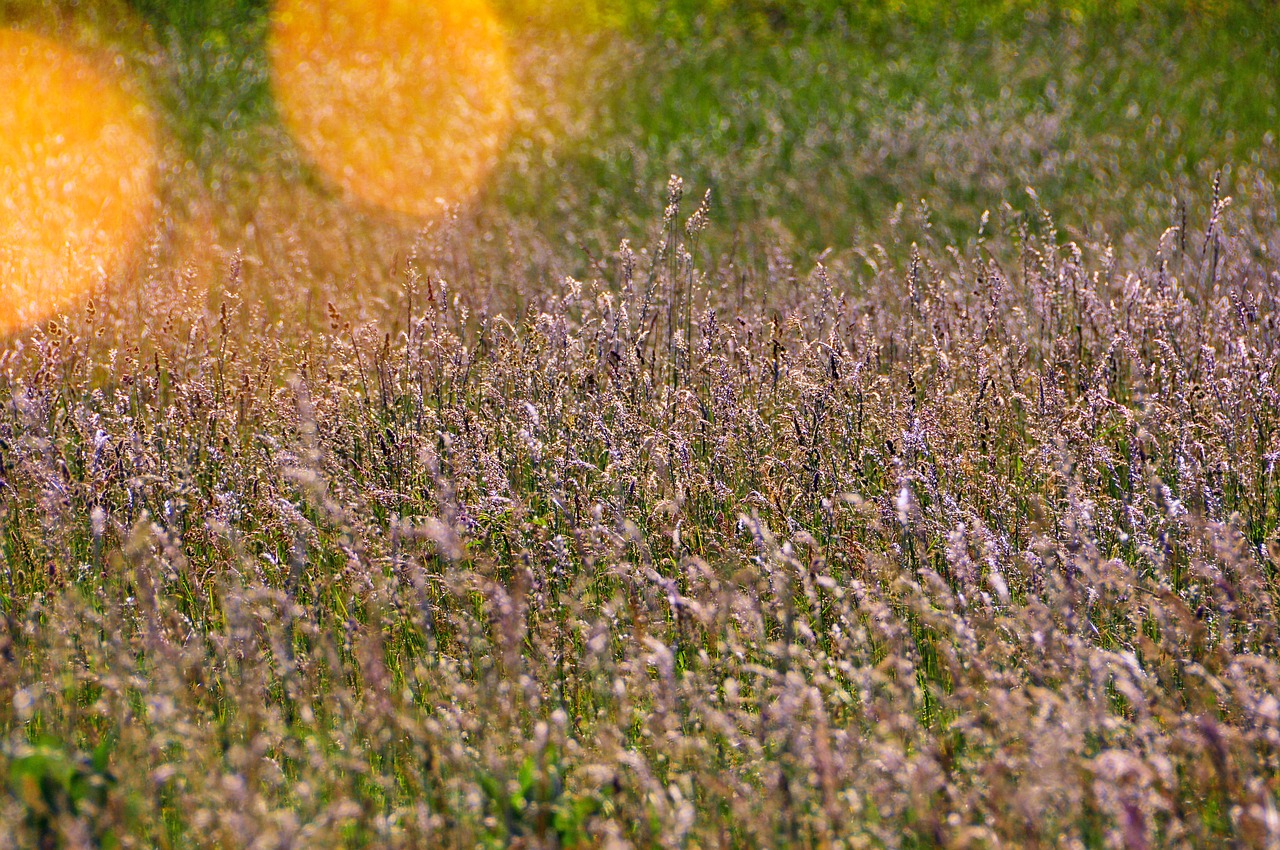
(883,503)
(824,131)
(818,117)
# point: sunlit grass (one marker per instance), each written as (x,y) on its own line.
(77,165)
(404,105)
(875,501)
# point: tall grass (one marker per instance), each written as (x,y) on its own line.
(974,549)
(871,500)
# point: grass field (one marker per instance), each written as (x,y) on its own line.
(902,474)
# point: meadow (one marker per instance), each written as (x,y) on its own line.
(832,424)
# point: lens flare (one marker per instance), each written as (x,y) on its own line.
(77,164)
(401,103)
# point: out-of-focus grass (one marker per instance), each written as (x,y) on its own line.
(815,117)
(813,123)
(213,78)
(824,125)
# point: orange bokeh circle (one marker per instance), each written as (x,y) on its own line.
(77,177)
(401,103)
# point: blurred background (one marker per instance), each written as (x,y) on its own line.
(310,152)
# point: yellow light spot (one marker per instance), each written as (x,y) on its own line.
(401,103)
(77,161)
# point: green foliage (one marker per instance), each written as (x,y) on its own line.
(55,785)
(215,88)
(537,805)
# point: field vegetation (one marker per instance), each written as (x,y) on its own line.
(902,474)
